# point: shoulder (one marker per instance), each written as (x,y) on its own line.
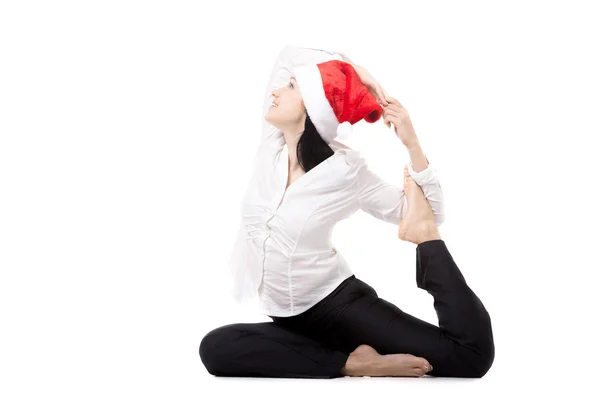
(352,158)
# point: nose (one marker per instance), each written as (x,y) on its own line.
(276,91)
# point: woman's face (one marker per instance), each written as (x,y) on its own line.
(288,113)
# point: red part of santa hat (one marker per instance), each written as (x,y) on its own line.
(333,94)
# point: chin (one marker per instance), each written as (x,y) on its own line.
(270,121)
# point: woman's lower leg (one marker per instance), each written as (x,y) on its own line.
(461,313)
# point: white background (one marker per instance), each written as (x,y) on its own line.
(126,133)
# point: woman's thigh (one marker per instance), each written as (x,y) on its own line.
(377,322)
(357,315)
(382,325)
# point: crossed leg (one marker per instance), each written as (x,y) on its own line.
(266,349)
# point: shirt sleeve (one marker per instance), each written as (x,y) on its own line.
(388,203)
(290,57)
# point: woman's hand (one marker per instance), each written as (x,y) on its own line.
(395,113)
(371,83)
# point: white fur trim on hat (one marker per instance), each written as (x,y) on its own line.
(319,110)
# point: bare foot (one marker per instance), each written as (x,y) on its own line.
(366,361)
(418,225)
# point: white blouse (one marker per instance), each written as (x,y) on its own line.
(283,250)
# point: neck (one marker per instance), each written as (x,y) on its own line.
(292,145)
(291,135)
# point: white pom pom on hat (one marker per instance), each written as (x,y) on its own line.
(344,130)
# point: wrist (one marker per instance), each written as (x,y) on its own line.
(412,144)
(418,159)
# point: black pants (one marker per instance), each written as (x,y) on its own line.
(317,342)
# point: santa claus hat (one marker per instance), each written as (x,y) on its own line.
(335,98)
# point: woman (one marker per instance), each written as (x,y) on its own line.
(326,322)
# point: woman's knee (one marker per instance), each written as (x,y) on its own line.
(481,361)
(213,348)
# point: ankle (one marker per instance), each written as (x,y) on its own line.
(357,366)
(429,231)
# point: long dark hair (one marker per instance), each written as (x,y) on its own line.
(311,149)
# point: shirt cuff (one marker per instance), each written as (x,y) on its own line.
(425,177)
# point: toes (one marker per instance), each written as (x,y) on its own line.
(407,177)
(423,364)
(426,366)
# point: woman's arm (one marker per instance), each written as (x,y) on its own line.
(420,170)
(290,57)
(417,158)
(388,203)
